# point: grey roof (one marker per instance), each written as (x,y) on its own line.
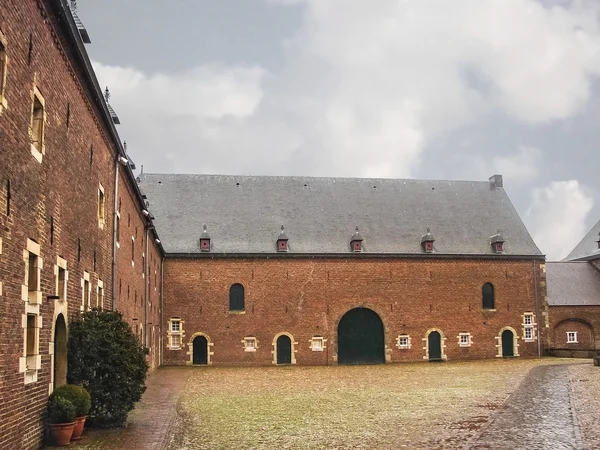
(588,247)
(572,284)
(244,214)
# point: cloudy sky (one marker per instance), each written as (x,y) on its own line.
(395,88)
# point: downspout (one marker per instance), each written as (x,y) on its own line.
(537,307)
(146,291)
(160,340)
(114,240)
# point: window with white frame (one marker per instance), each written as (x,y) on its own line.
(37,125)
(175,333)
(3,67)
(571,337)
(464,339)
(404,341)
(61,278)
(528,327)
(250,344)
(33,263)
(101,206)
(317,344)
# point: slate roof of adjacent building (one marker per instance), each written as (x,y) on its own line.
(244,214)
(588,247)
(572,284)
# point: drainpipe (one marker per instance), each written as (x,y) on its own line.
(146,290)
(114,240)
(537,307)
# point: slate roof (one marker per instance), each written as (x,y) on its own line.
(244,214)
(572,284)
(588,247)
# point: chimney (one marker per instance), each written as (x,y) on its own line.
(496,181)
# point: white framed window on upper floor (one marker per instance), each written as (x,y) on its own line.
(86,292)
(31,291)
(529,327)
(101,206)
(62,276)
(572,337)
(37,126)
(3,71)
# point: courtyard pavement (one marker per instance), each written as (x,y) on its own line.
(540,409)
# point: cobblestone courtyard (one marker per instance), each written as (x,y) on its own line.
(429,406)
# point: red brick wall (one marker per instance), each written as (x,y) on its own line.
(131,278)
(583,319)
(307,297)
(63,186)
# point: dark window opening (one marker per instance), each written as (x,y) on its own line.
(94,260)
(51,230)
(30,344)
(487,294)
(30,51)
(86,295)
(91,155)
(32,273)
(236,297)
(68,114)
(78,250)
(37,125)
(61,283)
(8,197)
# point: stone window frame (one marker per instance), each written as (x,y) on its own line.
(294,344)
(572,337)
(132,251)
(38,153)
(402,346)
(461,339)
(529,323)
(317,347)
(101,206)
(61,264)
(86,279)
(34,296)
(100,294)
(3,71)
(250,344)
(171,333)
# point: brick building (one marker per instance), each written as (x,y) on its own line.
(362,270)
(574,299)
(66,186)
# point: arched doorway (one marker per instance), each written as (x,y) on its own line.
(60,351)
(284,349)
(508,343)
(200,350)
(434,345)
(361,338)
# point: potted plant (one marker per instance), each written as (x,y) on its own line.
(81,400)
(61,413)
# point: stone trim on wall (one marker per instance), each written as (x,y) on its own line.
(499,342)
(274,351)
(443,343)
(209,344)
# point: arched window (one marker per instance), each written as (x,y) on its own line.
(487,296)
(236,297)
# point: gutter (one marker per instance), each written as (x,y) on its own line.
(114,246)
(353,255)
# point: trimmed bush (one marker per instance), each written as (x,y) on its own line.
(106,358)
(60,410)
(76,395)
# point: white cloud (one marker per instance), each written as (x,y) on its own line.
(556,217)
(365,86)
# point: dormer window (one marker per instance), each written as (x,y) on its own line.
(427,241)
(282,241)
(498,242)
(356,241)
(204,240)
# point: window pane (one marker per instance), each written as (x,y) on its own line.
(236,298)
(487,293)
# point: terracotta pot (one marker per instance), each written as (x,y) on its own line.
(78,430)
(61,432)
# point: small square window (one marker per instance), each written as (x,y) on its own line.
(464,340)
(572,337)
(403,341)
(250,344)
(317,344)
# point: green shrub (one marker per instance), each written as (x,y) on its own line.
(107,359)
(76,395)
(60,410)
